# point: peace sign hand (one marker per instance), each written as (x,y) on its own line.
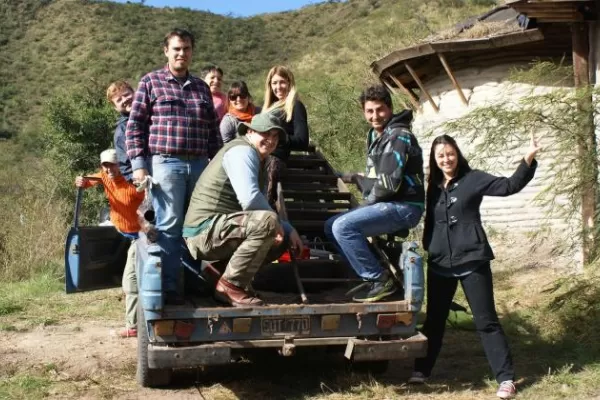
(534,147)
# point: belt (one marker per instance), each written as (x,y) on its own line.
(182,156)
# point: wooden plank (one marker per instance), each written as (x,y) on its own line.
(301,205)
(307,164)
(300,194)
(310,156)
(453,79)
(587,143)
(309,187)
(293,172)
(422,87)
(311,178)
(393,90)
(321,215)
(411,96)
(509,39)
(398,56)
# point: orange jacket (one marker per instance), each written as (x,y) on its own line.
(124,201)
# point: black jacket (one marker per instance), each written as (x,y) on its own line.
(453,233)
(297,130)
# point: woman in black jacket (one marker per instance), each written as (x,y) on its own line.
(458,251)
(281,98)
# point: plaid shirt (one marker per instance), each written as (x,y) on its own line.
(171,118)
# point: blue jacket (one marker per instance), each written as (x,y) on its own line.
(119,139)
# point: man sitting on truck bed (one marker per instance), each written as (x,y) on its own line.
(392,187)
(229,217)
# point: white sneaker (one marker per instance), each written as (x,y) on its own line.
(417,377)
(507,390)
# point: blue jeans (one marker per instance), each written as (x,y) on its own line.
(176,177)
(348,232)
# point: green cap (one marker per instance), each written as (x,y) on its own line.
(264,122)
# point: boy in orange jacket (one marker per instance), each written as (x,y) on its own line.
(124,201)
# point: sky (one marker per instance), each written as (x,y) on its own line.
(239,8)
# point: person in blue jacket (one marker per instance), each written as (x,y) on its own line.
(458,251)
(120,95)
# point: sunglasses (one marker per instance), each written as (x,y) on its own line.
(232,97)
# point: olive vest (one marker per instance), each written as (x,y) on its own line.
(213,193)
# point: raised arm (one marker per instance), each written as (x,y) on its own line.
(88,180)
(490,185)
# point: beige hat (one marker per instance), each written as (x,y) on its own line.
(109,156)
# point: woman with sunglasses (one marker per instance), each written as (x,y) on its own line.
(281,98)
(239,109)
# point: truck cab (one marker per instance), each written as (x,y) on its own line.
(307,300)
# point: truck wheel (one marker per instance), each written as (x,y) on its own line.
(147,377)
(378,367)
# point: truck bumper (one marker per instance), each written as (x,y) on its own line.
(370,350)
(221,352)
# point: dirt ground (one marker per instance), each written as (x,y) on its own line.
(88,361)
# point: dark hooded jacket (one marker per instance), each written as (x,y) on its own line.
(394,164)
(454,234)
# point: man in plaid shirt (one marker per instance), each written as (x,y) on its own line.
(172,132)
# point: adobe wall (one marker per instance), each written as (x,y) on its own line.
(518,214)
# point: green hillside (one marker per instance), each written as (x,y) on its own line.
(50,45)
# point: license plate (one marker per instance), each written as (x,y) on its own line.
(282,326)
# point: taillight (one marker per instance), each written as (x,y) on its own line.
(181,329)
(330,322)
(163,328)
(386,321)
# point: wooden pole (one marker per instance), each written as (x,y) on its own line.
(587,140)
(453,79)
(421,86)
(393,90)
(413,100)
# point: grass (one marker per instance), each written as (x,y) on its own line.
(24,386)
(41,301)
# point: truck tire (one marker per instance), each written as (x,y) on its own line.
(147,377)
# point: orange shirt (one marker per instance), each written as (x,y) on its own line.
(124,201)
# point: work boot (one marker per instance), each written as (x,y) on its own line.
(377,290)
(236,296)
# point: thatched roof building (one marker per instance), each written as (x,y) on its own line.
(456,71)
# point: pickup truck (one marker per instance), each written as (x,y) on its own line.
(307,299)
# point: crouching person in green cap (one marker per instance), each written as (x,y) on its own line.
(229,217)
